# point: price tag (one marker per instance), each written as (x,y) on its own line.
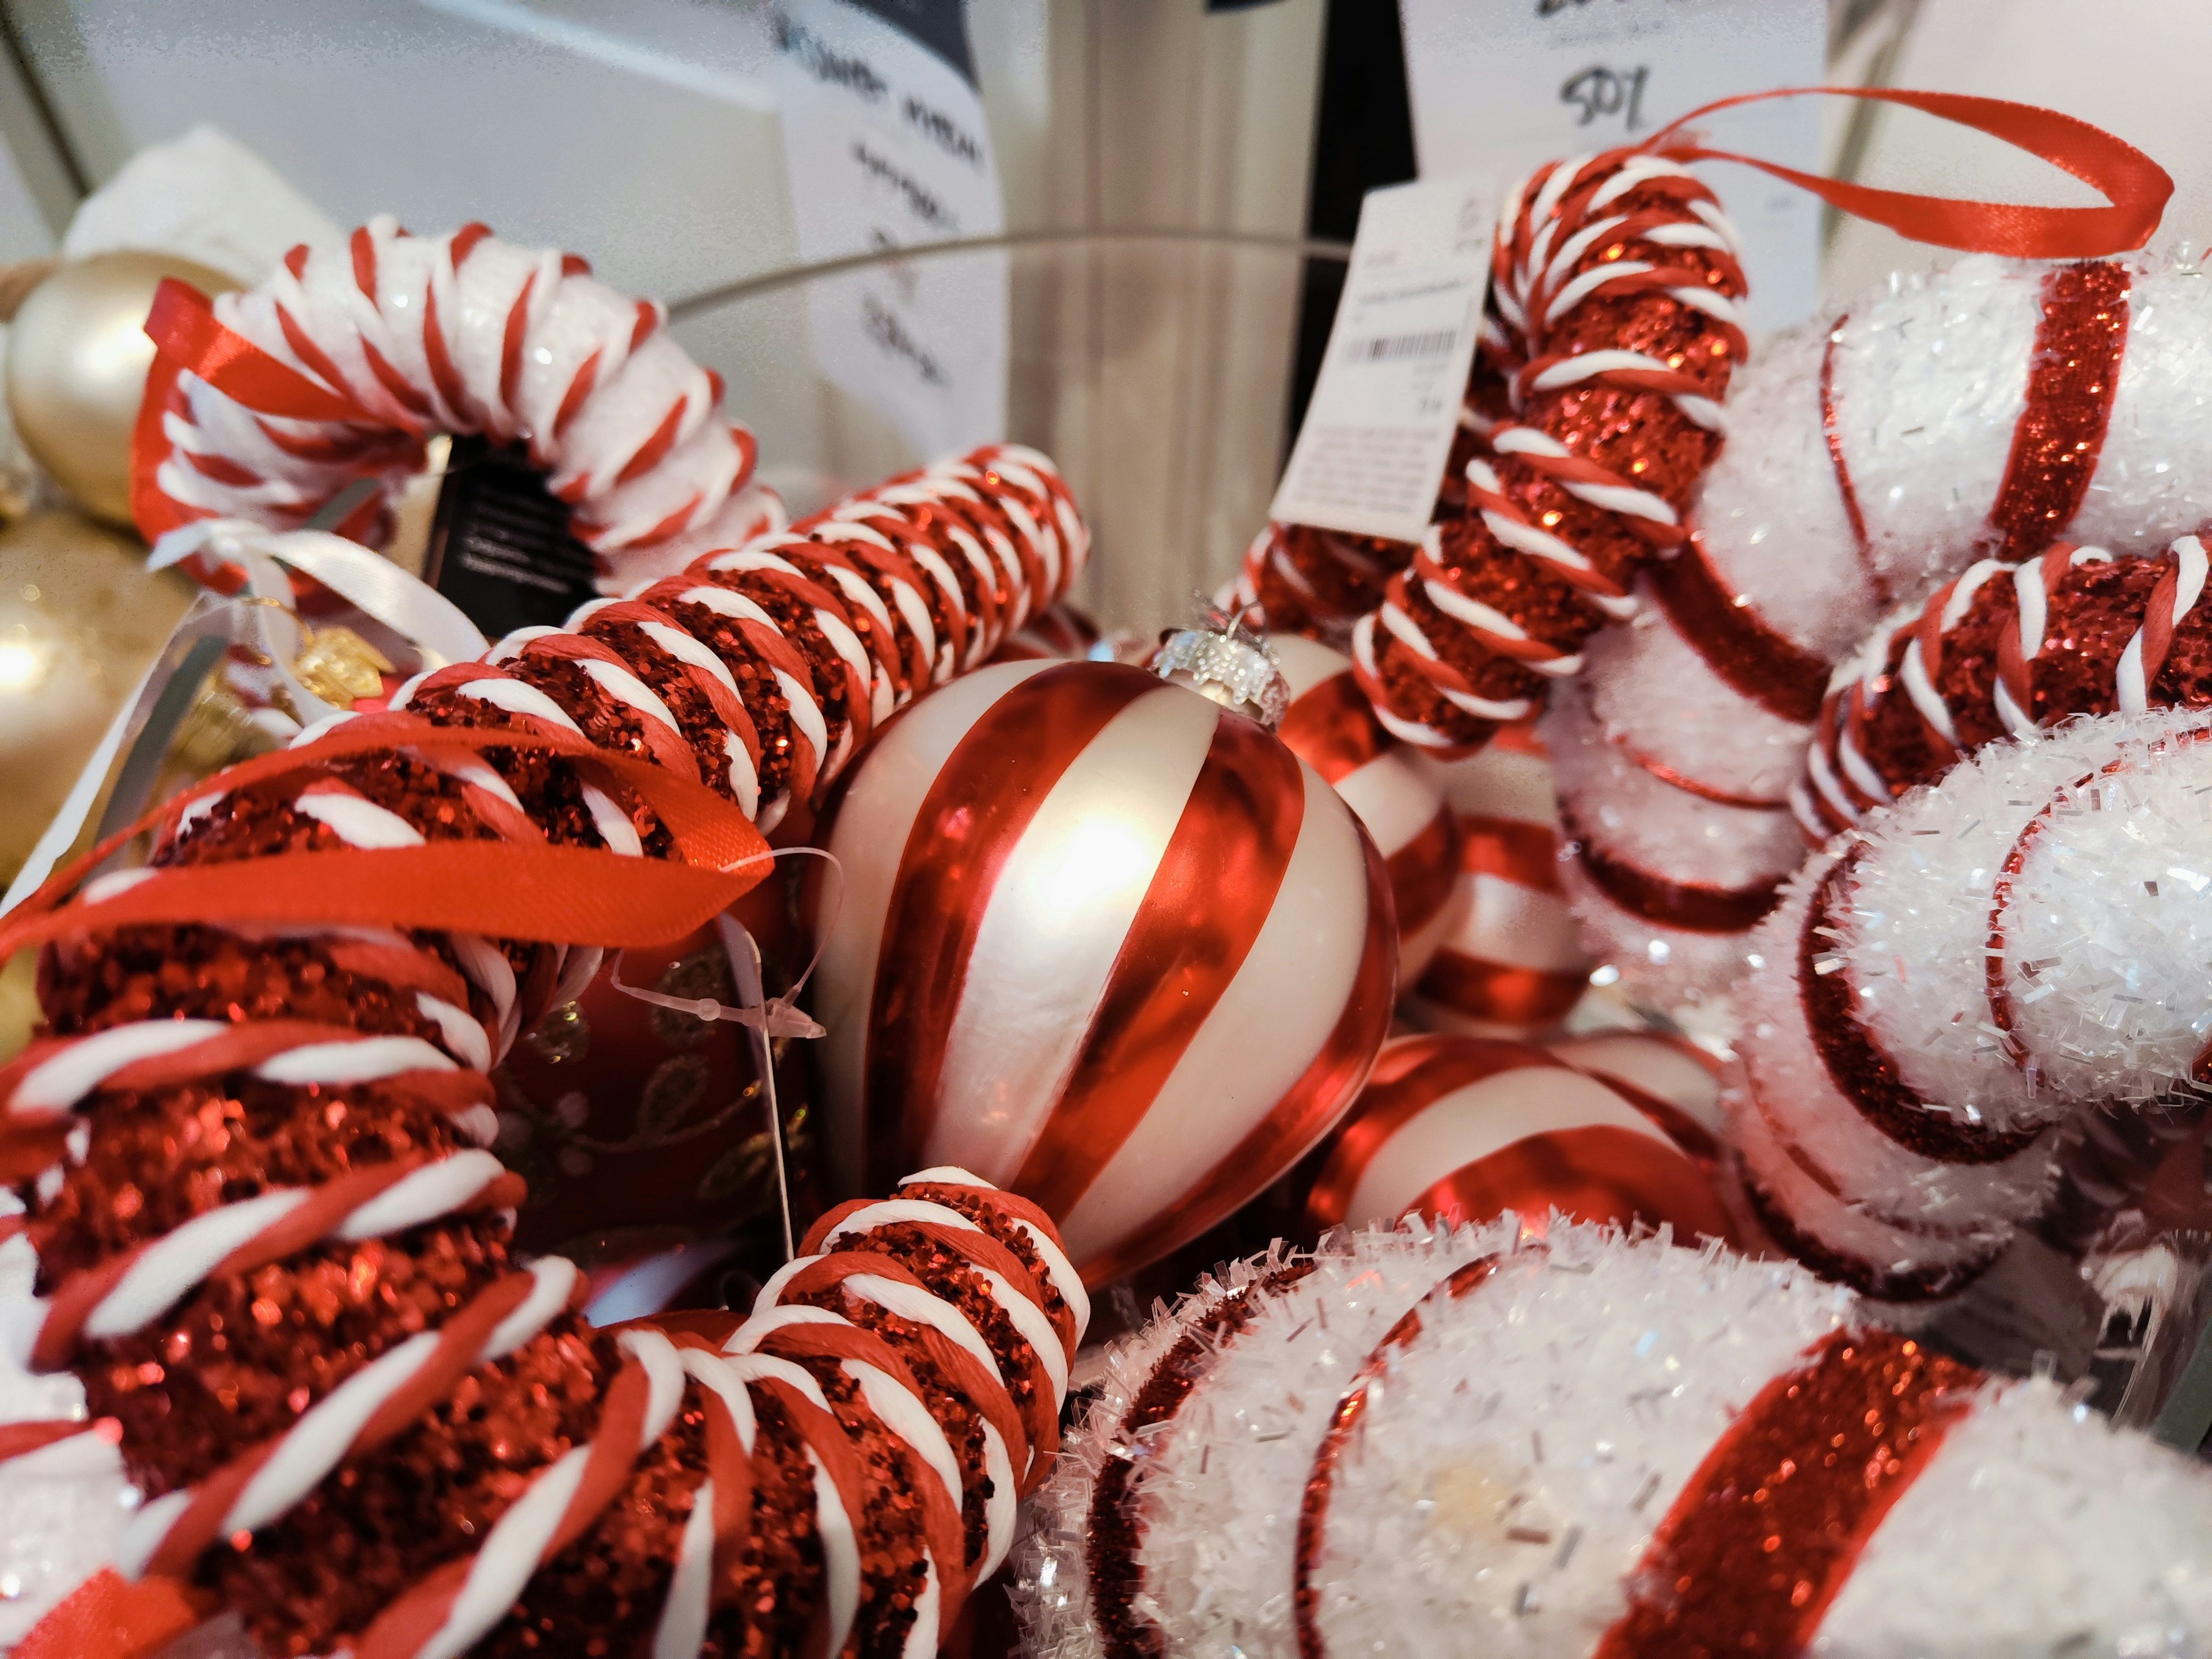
(1507,85)
(1373,448)
(885,145)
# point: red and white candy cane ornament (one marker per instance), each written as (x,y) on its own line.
(1870,469)
(268,404)
(275,1248)
(1614,296)
(1103,941)
(1411,1442)
(1469,1128)
(1332,728)
(1511,962)
(2007,650)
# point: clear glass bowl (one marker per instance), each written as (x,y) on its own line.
(1162,371)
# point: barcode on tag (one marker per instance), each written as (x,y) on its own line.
(1371,451)
(1435,344)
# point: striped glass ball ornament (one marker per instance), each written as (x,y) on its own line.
(1104,943)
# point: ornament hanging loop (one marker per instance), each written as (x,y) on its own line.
(2135,187)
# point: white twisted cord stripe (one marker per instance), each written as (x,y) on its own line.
(1843,783)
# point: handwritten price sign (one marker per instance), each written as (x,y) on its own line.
(1598,91)
(1510,84)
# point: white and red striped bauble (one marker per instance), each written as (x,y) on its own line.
(1103,942)
(1669,1078)
(1469,1128)
(1332,727)
(1511,961)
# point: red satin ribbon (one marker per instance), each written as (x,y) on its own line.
(114,1617)
(188,338)
(565,894)
(2135,186)
(183,328)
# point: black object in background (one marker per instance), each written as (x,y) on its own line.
(1363,138)
(500,546)
(940,25)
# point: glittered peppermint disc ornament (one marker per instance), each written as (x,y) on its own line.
(1103,941)
(1467,1128)
(1464,1444)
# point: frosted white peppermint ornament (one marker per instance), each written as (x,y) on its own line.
(1983,411)
(1331,726)
(1103,941)
(1591,1445)
(1511,961)
(1664,879)
(1176,1504)
(2018,944)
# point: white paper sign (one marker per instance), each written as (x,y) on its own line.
(886,146)
(1507,85)
(1378,431)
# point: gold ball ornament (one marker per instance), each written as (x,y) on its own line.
(77,357)
(80,618)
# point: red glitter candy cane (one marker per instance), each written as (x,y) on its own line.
(2007,650)
(1616,322)
(274,1246)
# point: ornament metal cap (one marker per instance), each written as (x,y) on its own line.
(1223,660)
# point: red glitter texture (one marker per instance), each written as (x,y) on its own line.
(1758,1543)
(231,1366)
(955,1412)
(697,717)
(604,1593)
(921,533)
(201,972)
(752,662)
(996,1213)
(949,1276)
(382,1523)
(795,603)
(2092,612)
(2072,376)
(1641,435)
(887,572)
